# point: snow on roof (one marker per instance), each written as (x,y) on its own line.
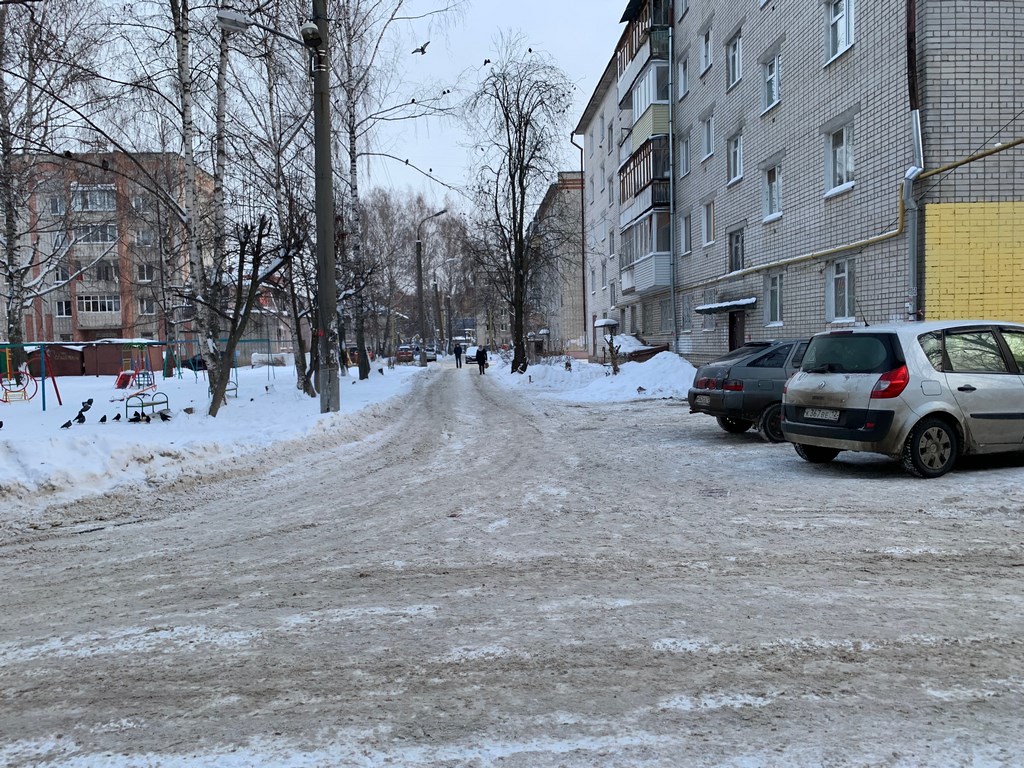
(722,306)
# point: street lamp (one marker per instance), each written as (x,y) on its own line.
(314,37)
(419,286)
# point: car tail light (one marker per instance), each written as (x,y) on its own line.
(732,385)
(891,384)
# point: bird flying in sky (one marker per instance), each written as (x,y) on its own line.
(422,49)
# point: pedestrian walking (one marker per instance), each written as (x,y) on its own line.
(458,355)
(481,358)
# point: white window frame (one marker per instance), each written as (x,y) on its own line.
(683,161)
(667,323)
(147,306)
(63,308)
(707,52)
(734,60)
(105,303)
(707,130)
(593,281)
(687,234)
(708,223)
(604,274)
(840,273)
(683,77)
(145,273)
(772,82)
(735,158)
(773,300)
(839,165)
(839,27)
(773,193)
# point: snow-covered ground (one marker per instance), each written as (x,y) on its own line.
(37,457)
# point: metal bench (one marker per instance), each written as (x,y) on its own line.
(153,400)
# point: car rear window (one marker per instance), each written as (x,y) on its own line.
(736,354)
(774,359)
(852,353)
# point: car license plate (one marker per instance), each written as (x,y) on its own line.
(824,414)
(702,400)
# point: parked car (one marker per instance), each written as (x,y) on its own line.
(404,354)
(921,393)
(744,387)
(470,354)
(431,354)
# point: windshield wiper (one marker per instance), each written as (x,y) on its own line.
(825,368)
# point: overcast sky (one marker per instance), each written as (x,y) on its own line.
(579,34)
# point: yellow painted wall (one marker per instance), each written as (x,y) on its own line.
(974,261)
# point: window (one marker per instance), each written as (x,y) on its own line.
(708,323)
(773,192)
(590,189)
(612,297)
(774,303)
(735,163)
(683,85)
(771,81)
(99,303)
(106,270)
(708,133)
(604,175)
(839,302)
(647,311)
(143,237)
(139,203)
(604,274)
(709,223)
(706,59)
(684,156)
(93,199)
(611,135)
(687,314)
(687,236)
(651,88)
(600,133)
(63,309)
(62,273)
(840,26)
(611,243)
(733,60)
(684,6)
(147,306)
(1015,341)
(666,315)
(593,280)
(96,233)
(611,189)
(590,141)
(840,158)
(56,205)
(736,250)
(146,273)
(974,351)
(774,359)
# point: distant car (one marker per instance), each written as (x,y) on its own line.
(744,387)
(431,355)
(470,354)
(197,362)
(404,354)
(920,393)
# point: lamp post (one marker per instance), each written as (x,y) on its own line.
(314,37)
(419,287)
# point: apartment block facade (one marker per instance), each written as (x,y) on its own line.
(788,167)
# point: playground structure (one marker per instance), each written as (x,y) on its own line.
(16,383)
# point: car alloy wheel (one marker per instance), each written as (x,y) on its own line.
(931,449)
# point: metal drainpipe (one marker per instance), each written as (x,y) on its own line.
(583,241)
(913,214)
(672,183)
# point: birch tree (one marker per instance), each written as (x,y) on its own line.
(520,111)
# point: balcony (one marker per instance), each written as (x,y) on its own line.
(632,61)
(96,320)
(655,195)
(650,274)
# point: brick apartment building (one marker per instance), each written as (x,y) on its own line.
(770,168)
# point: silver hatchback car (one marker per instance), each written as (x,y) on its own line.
(922,393)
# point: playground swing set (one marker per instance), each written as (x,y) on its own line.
(17,384)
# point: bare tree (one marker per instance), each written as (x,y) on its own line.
(519,110)
(45,52)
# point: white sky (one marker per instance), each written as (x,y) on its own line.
(579,34)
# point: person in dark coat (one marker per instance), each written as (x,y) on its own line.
(458,355)
(481,358)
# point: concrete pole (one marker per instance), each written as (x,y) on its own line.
(419,300)
(327,289)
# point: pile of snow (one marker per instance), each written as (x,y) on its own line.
(664,375)
(36,455)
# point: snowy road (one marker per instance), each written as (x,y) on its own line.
(474,578)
